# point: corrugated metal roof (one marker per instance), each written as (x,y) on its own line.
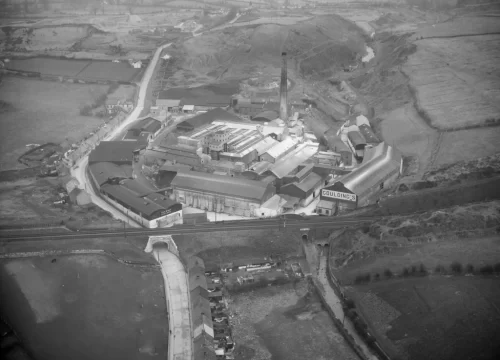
(103,171)
(386,160)
(218,184)
(261,167)
(368,134)
(113,151)
(292,160)
(265,144)
(169,102)
(146,206)
(310,182)
(281,147)
(356,138)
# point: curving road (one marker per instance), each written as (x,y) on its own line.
(79,169)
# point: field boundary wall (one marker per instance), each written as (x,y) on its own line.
(337,322)
(76,252)
(337,287)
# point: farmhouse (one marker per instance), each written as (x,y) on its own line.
(381,167)
(220,193)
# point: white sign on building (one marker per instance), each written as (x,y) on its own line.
(339,195)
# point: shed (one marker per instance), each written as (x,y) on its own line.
(116,152)
(188,108)
(266,116)
(368,134)
(71,184)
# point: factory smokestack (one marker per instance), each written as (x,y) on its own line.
(283,89)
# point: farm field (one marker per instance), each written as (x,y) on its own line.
(456,80)
(83,306)
(48,66)
(430,238)
(41,112)
(285,322)
(434,318)
(404,129)
(107,70)
(468,145)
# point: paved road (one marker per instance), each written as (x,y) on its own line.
(180,344)
(189,229)
(79,170)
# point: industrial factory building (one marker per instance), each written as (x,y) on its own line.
(116,152)
(144,130)
(305,185)
(380,168)
(110,168)
(203,119)
(220,193)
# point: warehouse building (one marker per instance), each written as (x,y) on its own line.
(116,152)
(181,154)
(144,130)
(279,150)
(220,193)
(151,210)
(305,185)
(381,167)
(357,144)
(106,172)
(203,119)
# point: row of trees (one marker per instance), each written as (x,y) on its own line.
(455,268)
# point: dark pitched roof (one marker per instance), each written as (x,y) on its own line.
(129,194)
(368,134)
(104,171)
(174,94)
(208,100)
(147,125)
(114,152)
(268,115)
(207,118)
(356,138)
(221,184)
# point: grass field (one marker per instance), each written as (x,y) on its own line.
(49,66)
(468,145)
(434,317)
(42,112)
(285,323)
(456,80)
(81,307)
(107,70)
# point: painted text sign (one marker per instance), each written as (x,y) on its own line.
(339,195)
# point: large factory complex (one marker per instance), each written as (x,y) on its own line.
(223,163)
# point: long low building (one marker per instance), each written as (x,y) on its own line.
(114,179)
(152,210)
(220,193)
(381,167)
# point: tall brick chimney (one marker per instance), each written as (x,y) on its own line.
(283,90)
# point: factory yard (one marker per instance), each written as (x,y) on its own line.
(113,308)
(285,322)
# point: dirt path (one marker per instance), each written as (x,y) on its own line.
(336,306)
